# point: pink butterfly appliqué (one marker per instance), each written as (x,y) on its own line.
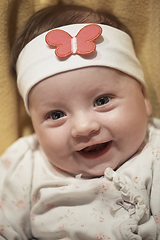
(82,43)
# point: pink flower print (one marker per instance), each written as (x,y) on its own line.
(2,229)
(146,146)
(7,163)
(20,168)
(20,204)
(96,191)
(157,218)
(50,206)
(21,225)
(35,198)
(158,155)
(32,217)
(2,205)
(136,179)
(60,228)
(101,236)
(101,219)
(105,185)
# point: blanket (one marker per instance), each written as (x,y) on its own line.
(142,17)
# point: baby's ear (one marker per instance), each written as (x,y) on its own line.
(147,102)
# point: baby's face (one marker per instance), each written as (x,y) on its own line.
(89,119)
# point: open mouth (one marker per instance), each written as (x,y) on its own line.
(95,150)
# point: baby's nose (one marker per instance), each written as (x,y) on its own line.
(84,126)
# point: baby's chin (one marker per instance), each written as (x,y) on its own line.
(95,172)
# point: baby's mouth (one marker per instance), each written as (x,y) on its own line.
(95,150)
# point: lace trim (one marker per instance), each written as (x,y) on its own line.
(132,203)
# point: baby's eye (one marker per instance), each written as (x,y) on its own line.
(56,115)
(102,101)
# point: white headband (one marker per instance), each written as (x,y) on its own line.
(37,60)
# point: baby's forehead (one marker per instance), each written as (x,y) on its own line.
(38,60)
(89,80)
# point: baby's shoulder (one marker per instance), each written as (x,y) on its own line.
(24,143)
(20,150)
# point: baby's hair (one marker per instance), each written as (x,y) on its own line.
(57,16)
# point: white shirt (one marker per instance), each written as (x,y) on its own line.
(40,201)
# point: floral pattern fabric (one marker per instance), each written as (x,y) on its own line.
(38,201)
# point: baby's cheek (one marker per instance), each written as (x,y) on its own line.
(52,147)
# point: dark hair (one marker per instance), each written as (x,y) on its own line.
(56,16)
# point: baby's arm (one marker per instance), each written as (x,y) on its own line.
(15,186)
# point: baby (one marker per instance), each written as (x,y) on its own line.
(91,170)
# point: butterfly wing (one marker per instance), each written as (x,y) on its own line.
(85,38)
(61,40)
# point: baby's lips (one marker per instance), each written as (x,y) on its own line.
(95,148)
